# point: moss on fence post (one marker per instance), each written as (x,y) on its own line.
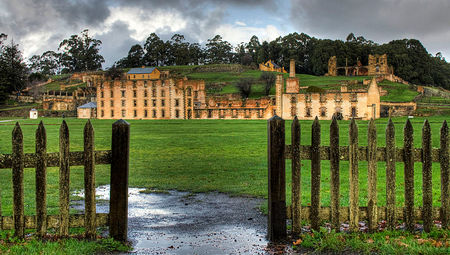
(17,178)
(390,175)
(41,180)
(353,176)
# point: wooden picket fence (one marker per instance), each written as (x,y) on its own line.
(278,152)
(117,157)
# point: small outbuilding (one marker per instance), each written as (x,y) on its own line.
(87,111)
(33,114)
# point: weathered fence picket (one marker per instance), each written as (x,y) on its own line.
(277,180)
(41,180)
(315,175)
(89,181)
(118,203)
(372,176)
(64,179)
(427,192)
(445,175)
(17,178)
(354,153)
(408,159)
(353,176)
(390,175)
(335,178)
(117,217)
(296,177)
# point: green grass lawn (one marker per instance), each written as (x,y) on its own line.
(397,92)
(207,155)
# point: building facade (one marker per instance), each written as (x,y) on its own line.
(377,65)
(164,97)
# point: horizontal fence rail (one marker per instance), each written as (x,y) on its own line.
(353,153)
(64,159)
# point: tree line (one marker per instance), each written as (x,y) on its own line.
(409,58)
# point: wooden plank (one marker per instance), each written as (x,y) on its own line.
(409,175)
(315,175)
(390,175)
(296,177)
(353,176)
(64,179)
(427,191)
(102,157)
(17,179)
(305,153)
(118,204)
(277,181)
(75,221)
(335,179)
(89,181)
(372,176)
(445,176)
(325,213)
(41,180)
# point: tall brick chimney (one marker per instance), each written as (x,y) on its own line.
(292,69)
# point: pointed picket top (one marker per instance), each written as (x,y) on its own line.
(390,126)
(426,126)
(408,126)
(64,129)
(41,125)
(274,117)
(372,130)
(88,127)
(17,130)
(444,128)
(316,123)
(334,121)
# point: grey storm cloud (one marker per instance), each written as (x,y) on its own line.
(58,19)
(380,21)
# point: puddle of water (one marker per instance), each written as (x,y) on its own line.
(183,223)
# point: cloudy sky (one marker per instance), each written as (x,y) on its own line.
(40,25)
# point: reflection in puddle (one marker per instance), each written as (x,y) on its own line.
(184,223)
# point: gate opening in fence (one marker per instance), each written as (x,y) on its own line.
(278,152)
(117,157)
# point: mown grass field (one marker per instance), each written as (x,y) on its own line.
(207,155)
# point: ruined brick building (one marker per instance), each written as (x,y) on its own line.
(270,66)
(148,93)
(377,65)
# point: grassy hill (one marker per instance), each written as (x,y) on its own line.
(221,79)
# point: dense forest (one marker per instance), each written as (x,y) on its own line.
(409,58)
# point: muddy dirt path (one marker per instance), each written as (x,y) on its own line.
(185,223)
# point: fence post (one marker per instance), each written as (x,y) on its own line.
(118,205)
(353,176)
(64,179)
(17,175)
(390,175)
(445,174)
(372,176)
(335,179)
(315,175)
(408,159)
(89,182)
(277,180)
(296,177)
(427,192)
(41,180)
